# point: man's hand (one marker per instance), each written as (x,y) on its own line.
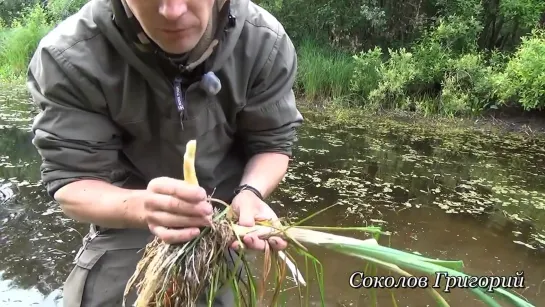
(249,208)
(174,209)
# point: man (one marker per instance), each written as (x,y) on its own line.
(122,86)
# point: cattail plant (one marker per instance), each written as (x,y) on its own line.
(177,275)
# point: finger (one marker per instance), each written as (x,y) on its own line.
(263,232)
(177,188)
(171,236)
(236,245)
(177,221)
(261,217)
(273,221)
(277,243)
(246,216)
(167,203)
(253,242)
(266,214)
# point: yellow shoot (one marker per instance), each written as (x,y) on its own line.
(190,175)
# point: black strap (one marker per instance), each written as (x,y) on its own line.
(249,188)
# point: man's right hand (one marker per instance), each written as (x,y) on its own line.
(174,209)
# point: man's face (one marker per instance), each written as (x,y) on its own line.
(175,25)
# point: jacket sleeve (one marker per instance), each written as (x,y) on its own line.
(269,120)
(74,137)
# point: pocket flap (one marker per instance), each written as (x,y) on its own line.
(89,258)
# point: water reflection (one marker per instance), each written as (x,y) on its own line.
(423,186)
(485,251)
(36,241)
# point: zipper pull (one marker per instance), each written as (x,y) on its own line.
(179,99)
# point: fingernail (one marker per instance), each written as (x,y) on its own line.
(202,193)
(274,242)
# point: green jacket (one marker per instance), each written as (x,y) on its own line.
(109,112)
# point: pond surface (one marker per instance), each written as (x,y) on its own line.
(444,193)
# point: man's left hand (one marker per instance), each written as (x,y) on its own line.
(249,208)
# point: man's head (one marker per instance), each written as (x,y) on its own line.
(174,25)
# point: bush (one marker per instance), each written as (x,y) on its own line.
(397,74)
(438,56)
(444,72)
(60,9)
(524,75)
(367,72)
(467,87)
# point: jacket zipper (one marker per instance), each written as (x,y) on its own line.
(179,99)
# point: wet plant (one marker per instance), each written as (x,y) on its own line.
(181,274)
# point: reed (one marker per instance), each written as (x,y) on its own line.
(178,275)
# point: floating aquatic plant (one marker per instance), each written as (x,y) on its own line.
(176,275)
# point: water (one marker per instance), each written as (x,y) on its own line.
(443,193)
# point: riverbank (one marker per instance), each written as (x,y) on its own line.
(527,124)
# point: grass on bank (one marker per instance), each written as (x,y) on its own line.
(323,72)
(18,42)
(178,275)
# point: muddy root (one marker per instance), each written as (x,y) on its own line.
(176,275)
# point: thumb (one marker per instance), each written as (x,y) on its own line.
(246,216)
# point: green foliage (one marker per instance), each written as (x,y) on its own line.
(397,73)
(446,72)
(19,41)
(464,8)
(21,33)
(466,87)
(60,9)
(446,57)
(524,75)
(526,12)
(367,72)
(456,33)
(11,10)
(323,73)
(351,24)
